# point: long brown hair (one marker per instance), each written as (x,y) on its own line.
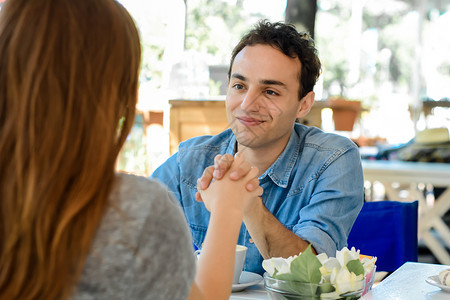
(68,90)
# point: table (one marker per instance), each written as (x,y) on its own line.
(408,283)
(430,217)
(252,292)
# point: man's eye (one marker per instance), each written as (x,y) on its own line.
(271,93)
(238,86)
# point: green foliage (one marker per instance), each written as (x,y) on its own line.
(327,287)
(395,28)
(133,156)
(355,266)
(216,26)
(304,268)
(214,87)
(151,58)
(304,275)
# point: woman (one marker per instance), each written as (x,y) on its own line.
(70,228)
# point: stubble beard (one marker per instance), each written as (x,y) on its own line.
(249,137)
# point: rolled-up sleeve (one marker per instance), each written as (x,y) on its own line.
(336,197)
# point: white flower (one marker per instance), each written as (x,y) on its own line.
(331,263)
(327,268)
(322,257)
(282,265)
(345,281)
(368,264)
(345,255)
(333,269)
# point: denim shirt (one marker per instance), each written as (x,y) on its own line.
(315,188)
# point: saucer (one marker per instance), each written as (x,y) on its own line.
(247,279)
(434,280)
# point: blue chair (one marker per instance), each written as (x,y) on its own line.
(387,230)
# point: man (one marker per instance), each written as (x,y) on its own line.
(312,181)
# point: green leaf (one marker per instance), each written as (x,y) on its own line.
(355,266)
(275,273)
(305,268)
(285,277)
(326,288)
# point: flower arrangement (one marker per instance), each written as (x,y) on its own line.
(349,273)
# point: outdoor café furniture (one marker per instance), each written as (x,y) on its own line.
(387,230)
(432,229)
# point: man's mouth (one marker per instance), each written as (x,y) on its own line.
(248,121)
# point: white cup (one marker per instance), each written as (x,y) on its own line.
(241,253)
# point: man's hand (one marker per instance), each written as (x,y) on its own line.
(222,164)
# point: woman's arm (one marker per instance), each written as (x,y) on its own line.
(226,199)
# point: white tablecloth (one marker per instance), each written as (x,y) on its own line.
(408,283)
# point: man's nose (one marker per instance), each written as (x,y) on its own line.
(251,101)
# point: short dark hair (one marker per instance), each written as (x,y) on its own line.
(289,41)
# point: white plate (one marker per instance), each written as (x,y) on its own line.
(247,279)
(434,280)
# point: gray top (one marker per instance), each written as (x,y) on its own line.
(142,249)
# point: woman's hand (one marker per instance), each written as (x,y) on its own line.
(222,164)
(231,192)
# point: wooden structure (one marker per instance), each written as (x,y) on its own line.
(190,118)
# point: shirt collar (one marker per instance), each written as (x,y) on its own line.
(232,145)
(281,169)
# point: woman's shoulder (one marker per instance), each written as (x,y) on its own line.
(141,198)
(139,192)
(135,204)
(130,184)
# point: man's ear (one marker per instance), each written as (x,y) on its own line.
(305,105)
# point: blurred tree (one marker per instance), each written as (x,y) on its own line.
(394,24)
(215,26)
(302,14)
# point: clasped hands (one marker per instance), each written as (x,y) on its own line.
(230,184)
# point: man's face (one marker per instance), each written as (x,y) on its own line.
(262,96)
